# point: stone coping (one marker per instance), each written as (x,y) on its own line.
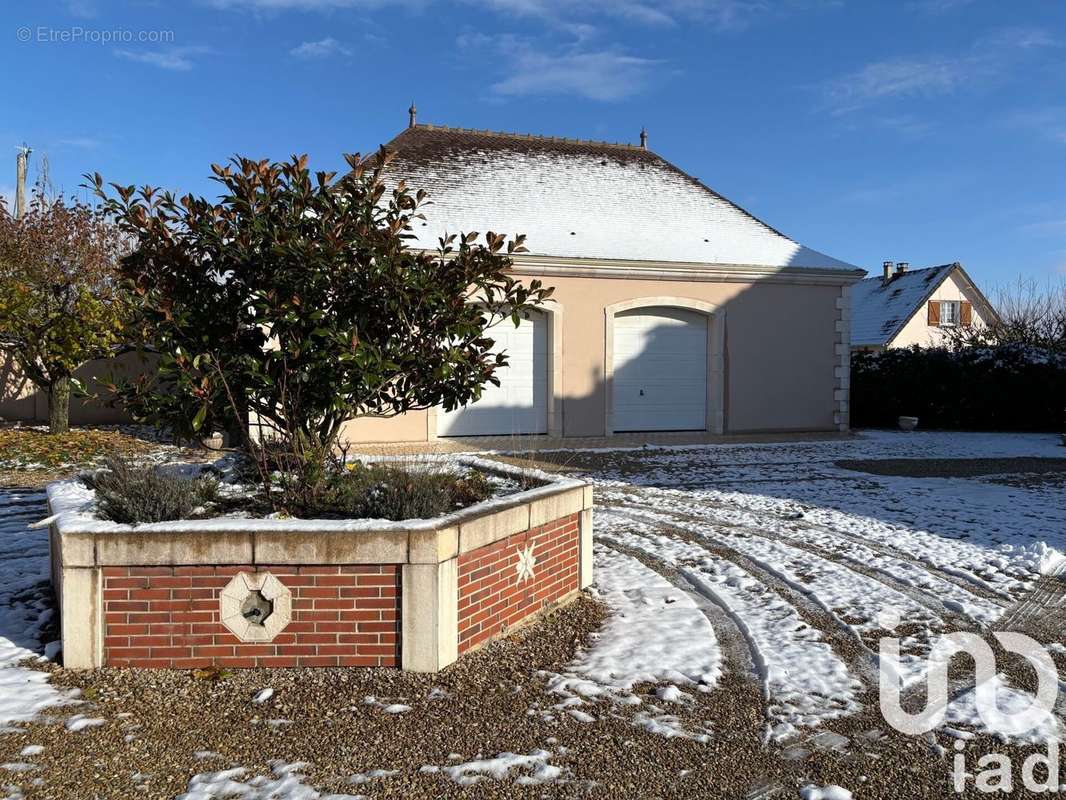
(86,541)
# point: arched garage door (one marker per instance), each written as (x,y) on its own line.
(660,370)
(520,403)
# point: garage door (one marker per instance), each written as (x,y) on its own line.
(660,370)
(520,403)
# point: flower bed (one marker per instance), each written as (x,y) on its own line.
(240,592)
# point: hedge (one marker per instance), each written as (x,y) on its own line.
(1002,388)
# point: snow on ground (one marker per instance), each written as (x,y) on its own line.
(721,515)
(655,634)
(286,783)
(853,544)
(831,792)
(526,770)
(804,680)
(25,606)
(1041,726)
(996,535)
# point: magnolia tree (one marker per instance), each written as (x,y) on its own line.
(294,303)
(61,303)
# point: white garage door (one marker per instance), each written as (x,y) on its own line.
(660,370)
(520,403)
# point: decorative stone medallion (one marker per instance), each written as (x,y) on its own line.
(255,607)
(526,562)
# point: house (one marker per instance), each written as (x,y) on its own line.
(674,308)
(904,307)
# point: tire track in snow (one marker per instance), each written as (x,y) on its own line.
(734,515)
(843,600)
(918,637)
(737,655)
(805,680)
(943,597)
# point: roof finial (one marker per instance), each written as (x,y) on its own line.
(643,138)
(412,111)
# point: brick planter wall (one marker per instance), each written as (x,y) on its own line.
(494,595)
(410,594)
(168,617)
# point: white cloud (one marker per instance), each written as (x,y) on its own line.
(84,9)
(603,75)
(1016,39)
(897,77)
(1046,227)
(268,6)
(722,14)
(81,142)
(179,59)
(940,6)
(989,59)
(530,69)
(1048,122)
(323,48)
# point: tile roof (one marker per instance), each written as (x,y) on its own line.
(879,310)
(582,199)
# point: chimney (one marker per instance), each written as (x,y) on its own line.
(887,267)
(643,138)
(901,267)
(412,113)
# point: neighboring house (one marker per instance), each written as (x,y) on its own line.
(674,308)
(904,307)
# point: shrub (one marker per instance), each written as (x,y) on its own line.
(1004,387)
(131,494)
(295,301)
(381,491)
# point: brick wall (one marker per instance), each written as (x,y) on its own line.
(491,598)
(168,617)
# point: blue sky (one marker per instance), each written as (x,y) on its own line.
(925,131)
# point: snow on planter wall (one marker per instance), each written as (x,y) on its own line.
(233,592)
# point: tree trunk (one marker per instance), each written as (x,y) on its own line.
(59,406)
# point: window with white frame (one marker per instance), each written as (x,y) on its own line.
(949,313)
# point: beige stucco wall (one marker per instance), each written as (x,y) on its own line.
(413,427)
(20,400)
(780,352)
(917,330)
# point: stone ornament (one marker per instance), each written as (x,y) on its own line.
(255,607)
(526,562)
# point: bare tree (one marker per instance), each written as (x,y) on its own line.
(1030,313)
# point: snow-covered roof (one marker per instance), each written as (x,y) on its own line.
(581,199)
(879,310)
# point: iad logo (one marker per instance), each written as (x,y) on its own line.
(1013,722)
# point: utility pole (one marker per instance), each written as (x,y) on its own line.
(20,179)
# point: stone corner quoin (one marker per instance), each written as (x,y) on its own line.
(414,597)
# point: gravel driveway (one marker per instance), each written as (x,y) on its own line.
(727,651)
